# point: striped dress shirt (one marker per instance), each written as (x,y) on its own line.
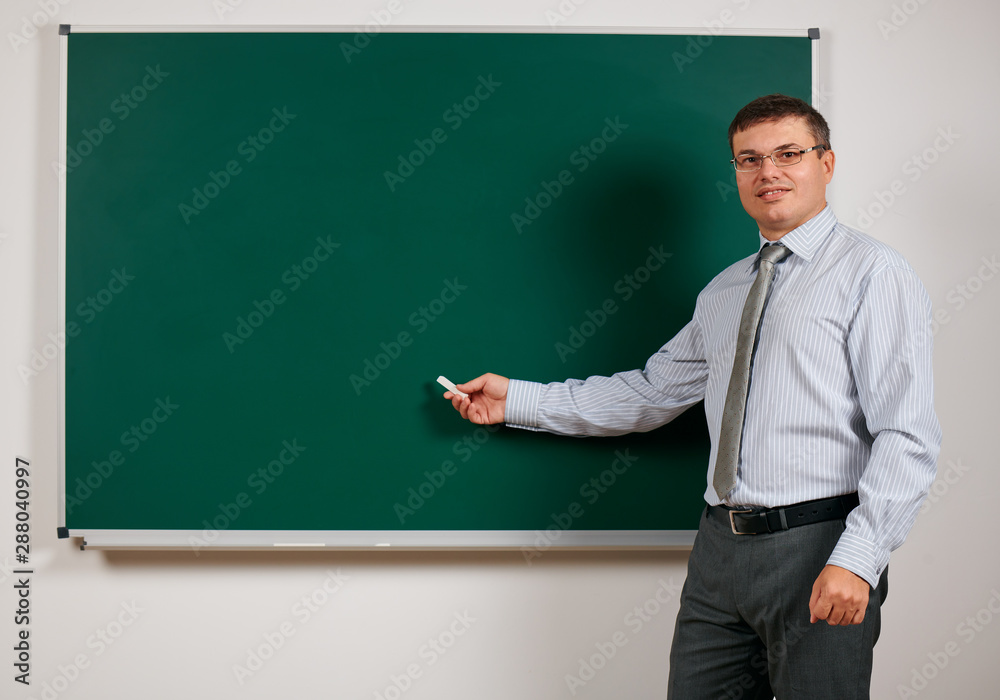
(841,390)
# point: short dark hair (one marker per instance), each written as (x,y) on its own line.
(771,108)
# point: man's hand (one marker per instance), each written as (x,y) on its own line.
(839,596)
(486,401)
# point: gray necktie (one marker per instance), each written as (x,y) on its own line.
(731,430)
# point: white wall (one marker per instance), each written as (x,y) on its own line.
(888,97)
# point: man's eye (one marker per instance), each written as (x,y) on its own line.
(749,160)
(788,155)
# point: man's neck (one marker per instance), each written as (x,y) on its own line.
(776,234)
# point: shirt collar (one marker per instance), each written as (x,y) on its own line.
(805,240)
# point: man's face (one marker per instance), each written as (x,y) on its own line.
(781,199)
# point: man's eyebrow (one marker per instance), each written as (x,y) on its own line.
(752,152)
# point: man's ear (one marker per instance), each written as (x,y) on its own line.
(829,161)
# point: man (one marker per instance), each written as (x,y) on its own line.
(824,437)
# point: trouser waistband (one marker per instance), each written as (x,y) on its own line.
(744,521)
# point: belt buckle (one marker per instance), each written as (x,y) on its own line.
(732,523)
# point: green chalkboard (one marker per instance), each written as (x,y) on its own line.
(275,242)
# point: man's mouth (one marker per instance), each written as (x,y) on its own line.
(772,193)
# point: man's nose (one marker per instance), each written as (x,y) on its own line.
(767,168)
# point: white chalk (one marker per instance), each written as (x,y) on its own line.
(451,387)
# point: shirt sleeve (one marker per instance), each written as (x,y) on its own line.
(634,401)
(889,346)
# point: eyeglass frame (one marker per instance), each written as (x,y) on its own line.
(770,155)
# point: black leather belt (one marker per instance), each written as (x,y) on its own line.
(756,521)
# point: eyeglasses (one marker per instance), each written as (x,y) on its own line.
(783,157)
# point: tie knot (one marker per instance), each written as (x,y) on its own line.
(774,253)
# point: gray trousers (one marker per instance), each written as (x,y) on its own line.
(743,629)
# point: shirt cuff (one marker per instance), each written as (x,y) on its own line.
(860,557)
(522,404)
